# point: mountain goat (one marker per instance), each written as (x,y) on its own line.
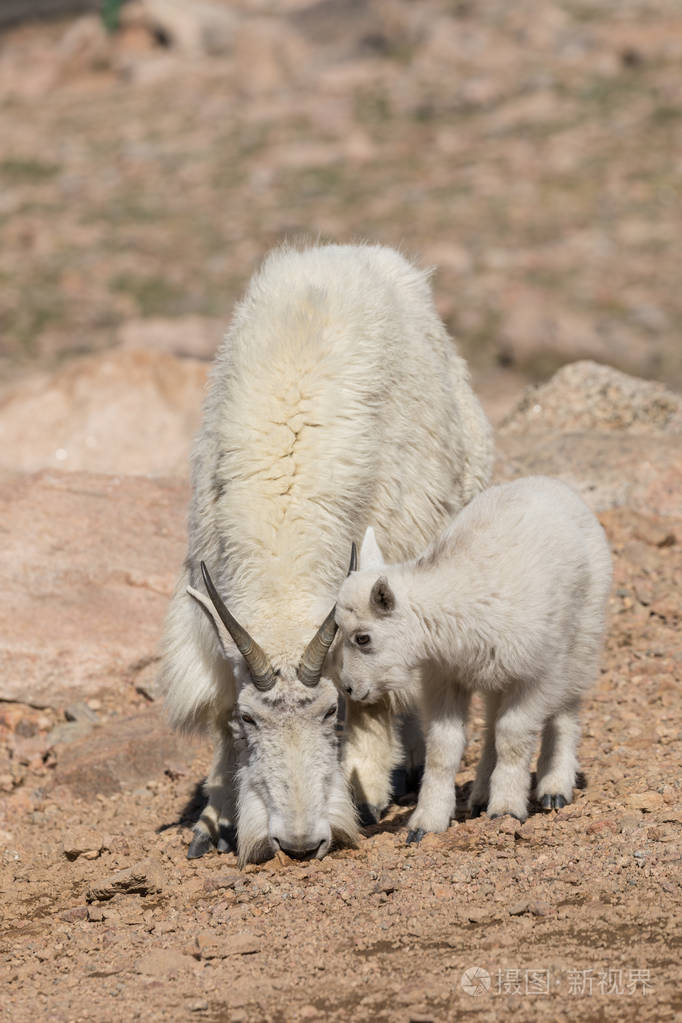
(337,399)
(510,600)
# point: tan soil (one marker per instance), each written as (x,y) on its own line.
(381,932)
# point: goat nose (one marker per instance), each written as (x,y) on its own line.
(302,854)
(349,689)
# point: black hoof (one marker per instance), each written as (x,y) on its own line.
(199,846)
(227,839)
(494,816)
(415,835)
(369,814)
(477,809)
(552,802)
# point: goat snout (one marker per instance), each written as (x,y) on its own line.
(300,851)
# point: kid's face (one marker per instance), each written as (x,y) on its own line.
(371,648)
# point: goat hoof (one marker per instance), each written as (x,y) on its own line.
(477,809)
(227,839)
(552,802)
(199,846)
(506,813)
(415,835)
(369,814)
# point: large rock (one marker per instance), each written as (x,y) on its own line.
(123,754)
(118,411)
(87,564)
(589,396)
(614,437)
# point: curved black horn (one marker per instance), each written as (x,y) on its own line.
(310,668)
(262,672)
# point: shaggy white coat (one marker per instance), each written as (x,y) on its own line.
(337,399)
(510,600)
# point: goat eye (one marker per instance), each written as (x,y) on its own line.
(330,713)
(362,638)
(247,719)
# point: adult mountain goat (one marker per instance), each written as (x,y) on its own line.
(336,400)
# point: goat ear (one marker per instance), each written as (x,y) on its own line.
(370,553)
(206,605)
(382,598)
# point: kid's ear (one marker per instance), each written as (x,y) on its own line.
(370,553)
(382,599)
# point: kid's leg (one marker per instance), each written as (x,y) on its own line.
(558,763)
(519,722)
(444,716)
(480,792)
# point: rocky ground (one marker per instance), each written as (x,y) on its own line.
(572,915)
(532,153)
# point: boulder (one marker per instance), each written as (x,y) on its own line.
(118,411)
(87,565)
(614,437)
(123,754)
(586,396)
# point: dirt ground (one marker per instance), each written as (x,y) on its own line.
(532,153)
(572,915)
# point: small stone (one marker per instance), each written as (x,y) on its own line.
(146,689)
(280,861)
(80,712)
(525,906)
(73,914)
(95,914)
(596,827)
(142,879)
(161,962)
(645,801)
(211,945)
(226,880)
(476,915)
(524,832)
(200,1006)
(385,884)
(82,842)
(431,840)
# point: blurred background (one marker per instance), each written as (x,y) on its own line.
(151,152)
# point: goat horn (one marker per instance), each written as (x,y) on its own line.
(310,668)
(262,672)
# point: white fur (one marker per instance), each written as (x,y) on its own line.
(510,600)
(337,399)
